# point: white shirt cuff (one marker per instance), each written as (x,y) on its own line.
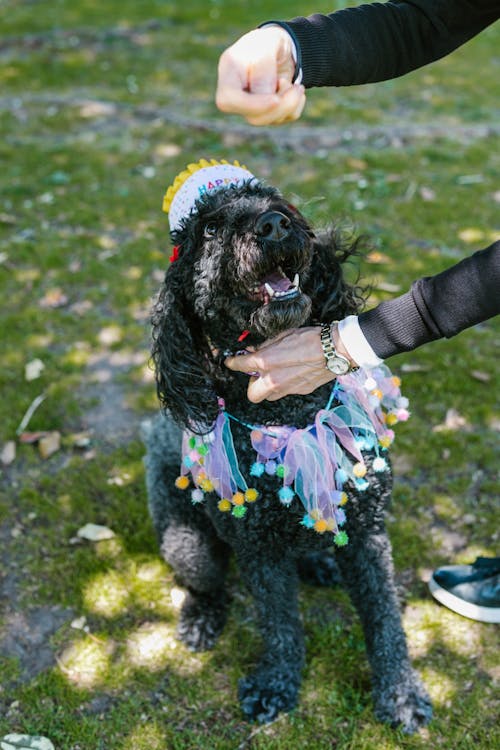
(356,344)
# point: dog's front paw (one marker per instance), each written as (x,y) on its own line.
(267,693)
(202,620)
(405,705)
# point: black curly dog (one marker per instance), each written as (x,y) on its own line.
(238,239)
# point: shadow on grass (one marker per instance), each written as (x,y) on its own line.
(122,680)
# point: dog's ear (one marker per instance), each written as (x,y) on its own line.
(333,297)
(179,353)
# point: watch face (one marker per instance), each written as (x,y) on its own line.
(338,365)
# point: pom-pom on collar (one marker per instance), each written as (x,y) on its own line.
(197,180)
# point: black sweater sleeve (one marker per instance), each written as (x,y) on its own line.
(437,306)
(379,41)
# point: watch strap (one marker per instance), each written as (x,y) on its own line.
(329,347)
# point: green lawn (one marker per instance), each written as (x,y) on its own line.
(101,105)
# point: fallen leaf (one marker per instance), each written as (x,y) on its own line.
(355,163)
(158,275)
(484,377)
(426,193)
(8,454)
(49,444)
(28,438)
(80,308)
(471,234)
(133,273)
(148,172)
(95,533)
(25,742)
(453,421)
(33,369)
(96,109)
(377,257)
(119,480)
(110,335)
(414,368)
(107,241)
(54,298)
(79,623)
(385,286)
(79,439)
(168,150)
(46,198)
(7,219)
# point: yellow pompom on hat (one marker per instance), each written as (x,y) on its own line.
(197,180)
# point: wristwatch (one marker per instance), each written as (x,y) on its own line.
(335,362)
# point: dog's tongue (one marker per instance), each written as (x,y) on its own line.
(278,281)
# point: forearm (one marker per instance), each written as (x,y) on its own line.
(380,41)
(437,307)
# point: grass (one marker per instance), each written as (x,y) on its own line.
(102,104)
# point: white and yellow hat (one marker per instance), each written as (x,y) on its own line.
(197,180)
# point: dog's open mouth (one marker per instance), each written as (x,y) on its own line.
(276,287)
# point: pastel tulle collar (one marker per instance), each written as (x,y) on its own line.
(314,463)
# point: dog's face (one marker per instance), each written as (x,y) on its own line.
(248,262)
(250,253)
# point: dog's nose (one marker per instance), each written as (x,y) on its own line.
(272,225)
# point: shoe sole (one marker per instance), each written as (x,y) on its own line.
(461,607)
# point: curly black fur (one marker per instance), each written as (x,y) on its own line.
(210,295)
(206,300)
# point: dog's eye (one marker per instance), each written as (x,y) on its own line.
(210,229)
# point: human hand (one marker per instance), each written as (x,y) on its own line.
(255,78)
(290,363)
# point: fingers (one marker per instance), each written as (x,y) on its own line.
(256,360)
(239,102)
(246,363)
(234,94)
(297,381)
(255,78)
(260,109)
(287,108)
(291,363)
(260,389)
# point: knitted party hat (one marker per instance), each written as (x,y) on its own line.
(197,180)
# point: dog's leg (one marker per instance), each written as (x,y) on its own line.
(368,574)
(199,561)
(319,568)
(274,685)
(188,541)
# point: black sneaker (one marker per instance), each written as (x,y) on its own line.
(470,590)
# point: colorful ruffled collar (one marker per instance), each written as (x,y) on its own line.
(313,463)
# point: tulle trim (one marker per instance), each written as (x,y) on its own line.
(313,463)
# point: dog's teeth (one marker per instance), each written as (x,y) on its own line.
(269,289)
(296,281)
